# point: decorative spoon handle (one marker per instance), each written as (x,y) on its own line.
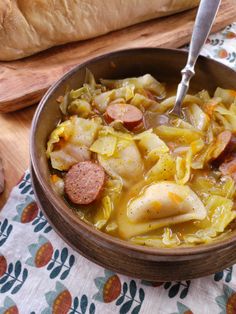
(202,26)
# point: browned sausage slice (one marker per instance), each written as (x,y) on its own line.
(130,115)
(84,182)
(226,146)
(229,168)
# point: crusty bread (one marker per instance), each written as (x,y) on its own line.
(30,26)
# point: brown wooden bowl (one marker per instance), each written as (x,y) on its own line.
(141,262)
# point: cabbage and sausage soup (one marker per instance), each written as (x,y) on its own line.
(133,171)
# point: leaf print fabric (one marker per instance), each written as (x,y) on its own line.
(5,230)
(9,307)
(222,46)
(41,274)
(12,276)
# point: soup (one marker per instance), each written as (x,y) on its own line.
(127,167)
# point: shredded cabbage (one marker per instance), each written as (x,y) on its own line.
(180,123)
(70,141)
(220,213)
(183,168)
(209,185)
(146,81)
(199,119)
(151,145)
(75,101)
(152,241)
(104,145)
(82,92)
(164,169)
(229,115)
(57,183)
(108,130)
(227,96)
(89,78)
(169,133)
(179,153)
(210,105)
(197,146)
(169,102)
(104,213)
(65,102)
(142,102)
(111,227)
(204,95)
(113,189)
(170,239)
(111,195)
(200,160)
(62,131)
(80,107)
(125,164)
(101,101)
(200,236)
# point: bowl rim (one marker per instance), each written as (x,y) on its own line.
(110,241)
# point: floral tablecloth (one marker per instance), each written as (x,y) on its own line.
(39,273)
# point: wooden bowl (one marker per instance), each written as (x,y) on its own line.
(141,262)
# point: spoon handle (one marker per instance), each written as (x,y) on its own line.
(205,17)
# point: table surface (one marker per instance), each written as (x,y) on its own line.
(14,146)
(15,127)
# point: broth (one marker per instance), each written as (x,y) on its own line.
(168,182)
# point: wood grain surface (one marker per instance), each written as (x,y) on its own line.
(23,82)
(14,146)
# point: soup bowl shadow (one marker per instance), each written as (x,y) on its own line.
(154,264)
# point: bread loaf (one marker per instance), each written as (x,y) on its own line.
(30,26)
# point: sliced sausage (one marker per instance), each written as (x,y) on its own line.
(231,148)
(229,168)
(226,145)
(130,115)
(84,182)
(222,141)
(139,128)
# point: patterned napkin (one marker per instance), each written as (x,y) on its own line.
(39,273)
(222,46)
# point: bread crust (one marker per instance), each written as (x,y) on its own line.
(27,27)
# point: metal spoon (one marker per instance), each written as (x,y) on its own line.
(202,26)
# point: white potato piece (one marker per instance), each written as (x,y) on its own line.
(160,204)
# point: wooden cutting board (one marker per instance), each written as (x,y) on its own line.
(23,82)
